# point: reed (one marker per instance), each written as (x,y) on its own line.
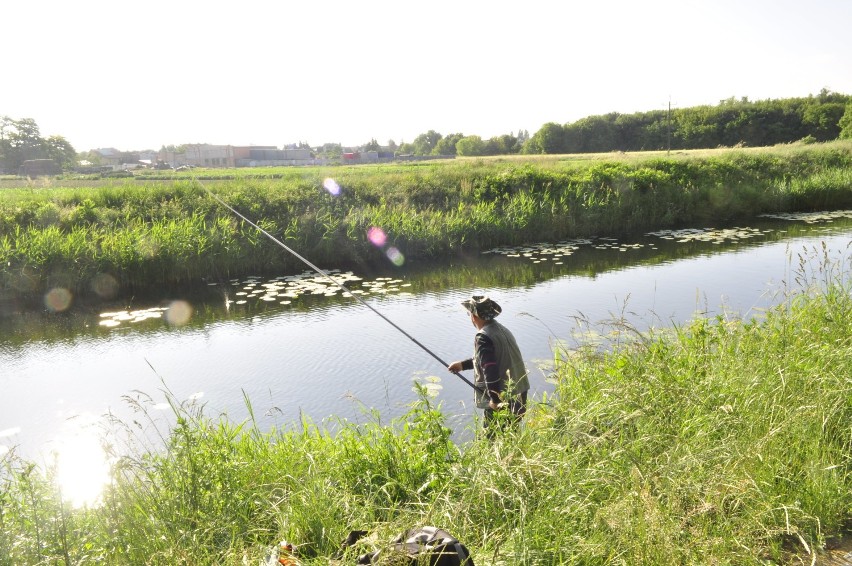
(158,232)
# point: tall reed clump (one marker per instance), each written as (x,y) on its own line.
(723,441)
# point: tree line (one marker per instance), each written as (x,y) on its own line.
(433,143)
(732,122)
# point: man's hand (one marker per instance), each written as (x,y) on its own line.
(455,367)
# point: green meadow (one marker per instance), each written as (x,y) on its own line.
(116,236)
(721,441)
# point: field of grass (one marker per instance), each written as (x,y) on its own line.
(718,442)
(148,232)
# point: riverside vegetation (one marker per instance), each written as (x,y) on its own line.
(151,232)
(722,441)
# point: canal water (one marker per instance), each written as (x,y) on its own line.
(296,346)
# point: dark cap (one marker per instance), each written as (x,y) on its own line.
(481,306)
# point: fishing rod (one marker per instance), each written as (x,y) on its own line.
(332,279)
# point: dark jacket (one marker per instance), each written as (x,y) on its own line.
(496,363)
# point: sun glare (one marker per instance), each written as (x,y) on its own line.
(82,468)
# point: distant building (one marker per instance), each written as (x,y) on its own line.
(170,158)
(109,157)
(270,156)
(206,155)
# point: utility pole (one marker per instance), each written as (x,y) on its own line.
(669,128)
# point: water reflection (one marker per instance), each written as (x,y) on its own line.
(82,464)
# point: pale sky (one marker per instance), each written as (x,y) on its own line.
(140,75)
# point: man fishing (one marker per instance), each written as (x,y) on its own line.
(500,375)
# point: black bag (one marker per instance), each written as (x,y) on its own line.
(421,546)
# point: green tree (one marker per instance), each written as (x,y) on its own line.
(506,144)
(447,145)
(21,140)
(549,139)
(470,146)
(425,143)
(331,150)
(822,119)
(845,122)
(61,151)
(596,133)
(372,145)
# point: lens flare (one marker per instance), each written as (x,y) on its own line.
(395,256)
(147,247)
(105,285)
(178,313)
(331,186)
(57,299)
(377,236)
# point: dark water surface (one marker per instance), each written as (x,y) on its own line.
(299,347)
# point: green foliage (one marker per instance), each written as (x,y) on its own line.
(470,146)
(425,143)
(549,139)
(845,123)
(447,145)
(822,119)
(506,144)
(21,140)
(331,151)
(731,123)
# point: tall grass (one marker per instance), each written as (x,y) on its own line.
(722,441)
(160,232)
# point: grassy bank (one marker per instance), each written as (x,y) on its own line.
(719,442)
(145,232)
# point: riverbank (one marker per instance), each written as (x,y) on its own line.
(720,441)
(128,235)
